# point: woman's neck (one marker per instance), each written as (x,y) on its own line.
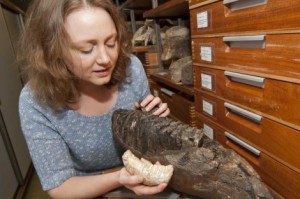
(95,100)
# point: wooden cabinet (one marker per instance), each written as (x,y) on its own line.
(247,87)
(8,186)
(180,98)
(275,174)
(233,17)
(10,87)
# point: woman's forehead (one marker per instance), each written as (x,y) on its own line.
(88,23)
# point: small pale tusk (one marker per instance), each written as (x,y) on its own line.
(152,174)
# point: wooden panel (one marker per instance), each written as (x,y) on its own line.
(172,8)
(138,49)
(179,106)
(274,16)
(139,5)
(274,139)
(151,70)
(151,59)
(278,59)
(282,107)
(197,3)
(283,180)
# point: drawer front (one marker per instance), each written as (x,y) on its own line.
(282,179)
(276,140)
(179,106)
(270,55)
(245,16)
(275,99)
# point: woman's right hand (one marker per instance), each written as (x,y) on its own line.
(134,183)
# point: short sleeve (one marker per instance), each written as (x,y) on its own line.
(49,153)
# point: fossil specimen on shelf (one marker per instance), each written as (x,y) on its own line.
(177,43)
(182,71)
(202,167)
(144,35)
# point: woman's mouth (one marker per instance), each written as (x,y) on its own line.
(102,73)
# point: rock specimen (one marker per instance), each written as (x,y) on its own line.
(144,35)
(177,43)
(153,174)
(181,70)
(202,167)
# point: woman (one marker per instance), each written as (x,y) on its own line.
(77,57)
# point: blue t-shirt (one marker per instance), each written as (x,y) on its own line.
(65,143)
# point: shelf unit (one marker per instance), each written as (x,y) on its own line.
(173,8)
(246,73)
(137,4)
(165,78)
(180,98)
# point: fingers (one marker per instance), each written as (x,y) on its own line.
(150,102)
(137,105)
(126,179)
(163,110)
(147,190)
(134,183)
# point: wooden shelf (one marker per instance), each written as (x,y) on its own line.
(165,78)
(137,4)
(138,49)
(172,8)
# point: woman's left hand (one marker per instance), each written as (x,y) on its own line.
(134,183)
(151,102)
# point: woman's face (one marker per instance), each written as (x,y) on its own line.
(94,46)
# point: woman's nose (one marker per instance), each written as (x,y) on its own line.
(103,57)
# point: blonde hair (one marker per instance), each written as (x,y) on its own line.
(44,41)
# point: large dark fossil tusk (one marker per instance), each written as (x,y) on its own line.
(202,167)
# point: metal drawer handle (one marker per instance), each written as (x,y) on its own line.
(242,144)
(252,116)
(167,92)
(246,79)
(253,41)
(245,38)
(243,4)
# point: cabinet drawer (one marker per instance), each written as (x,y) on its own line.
(276,140)
(245,16)
(279,177)
(179,106)
(273,98)
(272,55)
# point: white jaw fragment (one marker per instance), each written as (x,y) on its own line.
(152,174)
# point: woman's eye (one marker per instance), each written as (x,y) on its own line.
(87,51)
(111,45)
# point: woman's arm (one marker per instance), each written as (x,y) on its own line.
(80,187)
